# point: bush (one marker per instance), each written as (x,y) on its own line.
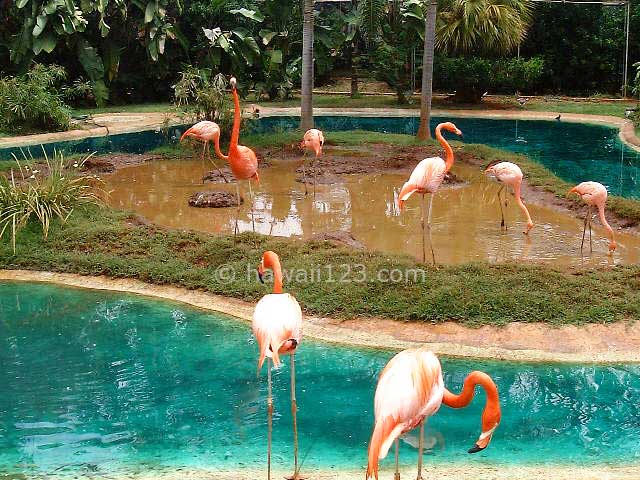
(33,102)
(32,196)
(389,65)
(471,77)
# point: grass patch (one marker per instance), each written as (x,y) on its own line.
(107,242)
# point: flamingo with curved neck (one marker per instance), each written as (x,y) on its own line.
(508,173)
(594,194)
(206,132)
(277,326)
(411,389)
(427,177)
(243,160)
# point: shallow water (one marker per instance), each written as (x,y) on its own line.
(105,383)
(465,224)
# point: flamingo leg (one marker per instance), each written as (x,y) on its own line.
(590,239)
(424,257)
(420,450)
(396,476)
(315,176)
(304,173)
(236,229)
(433,255)
(502,224)
(294,410)
(253,222)
(215,165)
(269,418)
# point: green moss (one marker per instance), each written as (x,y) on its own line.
(106,242)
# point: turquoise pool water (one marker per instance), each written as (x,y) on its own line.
(573,151)
(108,383)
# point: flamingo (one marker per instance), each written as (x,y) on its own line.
(509,173)
(277,326)
(243,160)
(312,141)
(410,389)
(594,194)
(206,132)
(427,178)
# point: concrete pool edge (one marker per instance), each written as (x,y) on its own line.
(390,334)
(119,123)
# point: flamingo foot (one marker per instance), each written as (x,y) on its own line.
(296,476)
(396,476)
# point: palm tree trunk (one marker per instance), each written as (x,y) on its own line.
(424,132)
(306,114)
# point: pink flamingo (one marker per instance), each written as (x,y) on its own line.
(313,141)
(277,326)
(243,160)
(594,194)
(409,390)
(206,132)
(508,173)
(427,178)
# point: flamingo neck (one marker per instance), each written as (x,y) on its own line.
(235,132)
(272,261)
(466,396)
(603,220)
(216,145)
(523,207)
(448,151)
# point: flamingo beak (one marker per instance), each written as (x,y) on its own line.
(459,133)
(261,272)
(483,441)
(571,191)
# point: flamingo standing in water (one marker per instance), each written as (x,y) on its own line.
(277,326)
(409,390)
(243,160)
(206,132)
(508,173)
(427,178)
(313,141)
(594,194)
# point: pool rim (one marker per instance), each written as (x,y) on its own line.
(319,328)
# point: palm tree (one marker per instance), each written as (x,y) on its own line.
(306,114)
(469,27)
(424,131)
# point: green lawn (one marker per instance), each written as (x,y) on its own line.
(133,108)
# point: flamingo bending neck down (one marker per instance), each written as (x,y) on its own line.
(594,194)
(409,390)
(508,173)
(277,326)
(427,178)
(313,141)
(206,132)
(243,160)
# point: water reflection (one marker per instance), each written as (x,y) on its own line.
(466,218)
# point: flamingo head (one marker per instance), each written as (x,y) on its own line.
(269,261)
(233,82)
(612,246)
(450,126)
(573,190)
(491,417)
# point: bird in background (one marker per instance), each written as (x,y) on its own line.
(277,326)
(243,160)
(427,178)
(508,173)
(594,194)
(313,141)
(206,132)
(409,390)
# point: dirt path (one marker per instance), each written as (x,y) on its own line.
(530,342)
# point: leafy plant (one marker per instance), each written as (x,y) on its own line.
(516,75)
(44,198)
(204,94)
(34,101)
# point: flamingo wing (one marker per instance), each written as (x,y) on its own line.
(507,172)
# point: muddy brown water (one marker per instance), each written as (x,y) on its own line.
(466,217)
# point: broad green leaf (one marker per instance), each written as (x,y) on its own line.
(150,11)
(212,34)
(223,41)
(252,44)
(21,3)
(161,39)
(104,28)
(267,36)
(41,22)
(90,60)
(52,6)
(46,42)
(153,50)
(250,14)
(276,56)
(100,92)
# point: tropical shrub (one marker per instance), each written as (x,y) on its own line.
(27,196)
(469,77)
(516,75)
(33,101)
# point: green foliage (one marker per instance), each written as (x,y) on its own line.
(43,198)
(516,75)
(482,26)
(205,95)
(33,102)
(636,80)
